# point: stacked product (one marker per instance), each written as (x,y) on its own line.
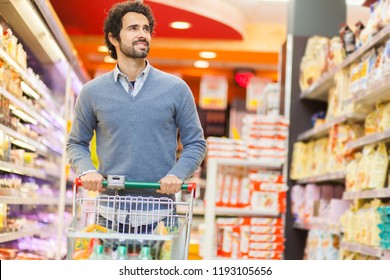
(324,155)
(261,191)
(384,226)
(319,207)
(361,224)
(319,204)
(250,238)
(323,54)
(322,245)
(265,137)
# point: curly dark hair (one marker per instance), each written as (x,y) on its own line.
(113,22)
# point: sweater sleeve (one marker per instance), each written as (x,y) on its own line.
(84,124)
(192,138)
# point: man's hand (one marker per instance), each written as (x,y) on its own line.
(170,184)
(92,181)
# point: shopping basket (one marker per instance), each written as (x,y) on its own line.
(142,227)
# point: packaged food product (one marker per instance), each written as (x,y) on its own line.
(379,167)
(348,38)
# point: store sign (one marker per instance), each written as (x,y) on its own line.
(243,76)
(213,92)
(254,93)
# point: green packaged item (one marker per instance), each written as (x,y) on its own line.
(385,244)
(384,227)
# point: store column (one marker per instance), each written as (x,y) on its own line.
(306,18)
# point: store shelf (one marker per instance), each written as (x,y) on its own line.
(382,193)
(28,171)
(24,107)
(323,130)
(265,163)
(374,94)
(334,229)
(302,226)
(10,236)
(32,82)
(33,200)
(362,249)
(368,140)
(330,177)
(230,211)
(40,148)
(319,90)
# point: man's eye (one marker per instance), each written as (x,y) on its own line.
(147,29)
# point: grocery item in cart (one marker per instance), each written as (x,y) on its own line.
(130,224)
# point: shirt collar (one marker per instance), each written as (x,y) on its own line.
(143,74)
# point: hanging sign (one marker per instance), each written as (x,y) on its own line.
(254,91)
(213,92)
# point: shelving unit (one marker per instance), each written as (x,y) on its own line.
(368,194)
(375,93)
(323,130)
(330,177)
(10,236)
(319,89)
(368,140)
(211,211)
(363,249)
(334,229)
(46,114)
(32,200)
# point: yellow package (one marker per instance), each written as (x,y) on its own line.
(371,123)
(299,158)
(379,167)
(352,174)
(384,121)
(365,164)
(84,243)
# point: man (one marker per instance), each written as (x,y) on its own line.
(137,112)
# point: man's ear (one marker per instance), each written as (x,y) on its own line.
(112,40)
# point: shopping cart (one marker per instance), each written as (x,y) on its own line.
(135,227)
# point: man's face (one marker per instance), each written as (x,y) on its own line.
(135,36)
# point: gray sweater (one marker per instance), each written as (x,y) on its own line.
(137,136)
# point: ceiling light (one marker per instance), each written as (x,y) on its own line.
(208,55)
(201,64)
(180,25)
(29,91)
(109,59)
(103,49)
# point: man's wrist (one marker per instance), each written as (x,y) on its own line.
(86,172)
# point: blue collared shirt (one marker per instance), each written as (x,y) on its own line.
(135,87)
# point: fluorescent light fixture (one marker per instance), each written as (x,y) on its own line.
(22,115)
(109,59)
(209,55)
(23,145)
(39,29)
(355,2)
(201,64)
(103,49)
(180,25)
(29,91)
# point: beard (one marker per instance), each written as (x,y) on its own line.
(131,52)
